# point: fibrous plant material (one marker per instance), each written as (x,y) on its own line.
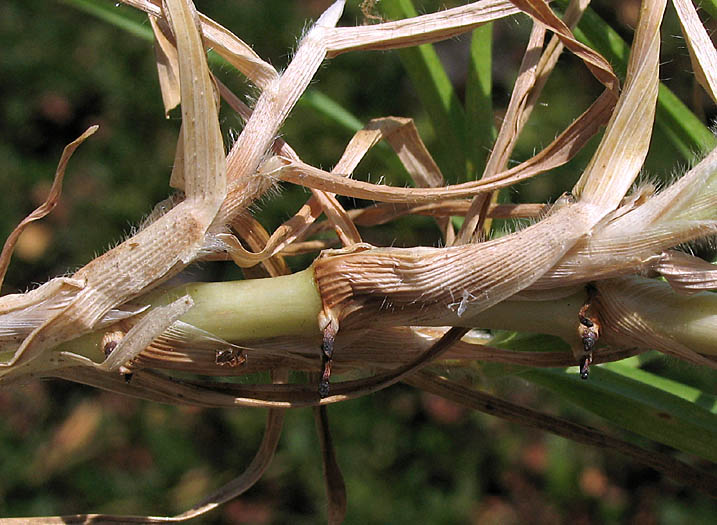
(381,312)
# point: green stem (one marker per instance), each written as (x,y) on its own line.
(253,309)
(242,311)
(235,311)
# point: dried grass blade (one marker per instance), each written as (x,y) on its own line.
(607,256)
(308,213)
(595,62)
(286,396)
(270,111)
(549,359)
(385,212)
(22,313)
(176,178)
(285,236)
(302,247)
(557,153)
(526,91)
(486,403)
(224,42)
(508,134)
(339,219)
(692,198)
(148,328)
(288,232)
(702,50)
(418,30)
(281,239)
(552,52)
(259,240)
(624,146)
(516,112)
(201,136)
(565,146)
(402,135)
(303,396)
(333,479)
(370,348)
(231,490)
(104,286)
(306,175)
(682,127)
(239,54)
(635,236)
(255,470)
(47,206)
(153,386)
(420,284)
(167,64)
(149,385)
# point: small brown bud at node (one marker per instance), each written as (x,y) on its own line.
(327,352)
(229,357)
(588,330)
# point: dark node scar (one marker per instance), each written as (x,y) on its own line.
(589,330)
(109,346)
(229,357)
(327,352)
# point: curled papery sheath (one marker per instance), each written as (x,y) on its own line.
(646,313)
(415,285)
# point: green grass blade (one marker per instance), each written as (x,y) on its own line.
(710,6)
(129,20)
(434,88)
(684,130)
(688,393)
(633,405)
(132,22)
(682,127)
(480,131)
(331,109)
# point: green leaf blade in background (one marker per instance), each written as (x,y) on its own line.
(480,131)
(127,19)
(636,406)
(434,89)
(331,109)
(676,388)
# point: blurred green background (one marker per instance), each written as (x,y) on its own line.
(406,456)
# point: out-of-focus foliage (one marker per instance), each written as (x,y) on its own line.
(407,457)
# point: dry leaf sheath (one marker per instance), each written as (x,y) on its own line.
(377,308)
